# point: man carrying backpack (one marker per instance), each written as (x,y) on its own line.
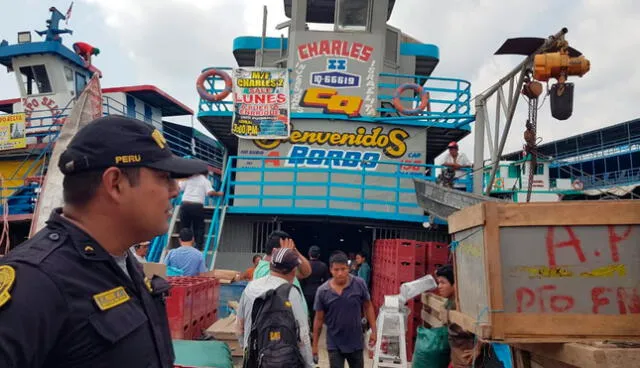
(272,324)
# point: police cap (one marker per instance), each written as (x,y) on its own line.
(123,142)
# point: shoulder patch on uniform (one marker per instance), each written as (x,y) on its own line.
(111,298)
(7,278)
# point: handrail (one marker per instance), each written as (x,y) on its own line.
(49,145)
(179,143)
(455,110)
(614,148)
(227,183)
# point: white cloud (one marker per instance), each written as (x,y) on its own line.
(168,42)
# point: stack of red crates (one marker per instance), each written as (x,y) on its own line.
(191,306)
(396,261)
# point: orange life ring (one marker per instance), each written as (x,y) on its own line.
(228,85)
(577,185)
(424,99)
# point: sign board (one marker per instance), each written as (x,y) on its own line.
(261,103)
(571,269)
(336,74)
(13,131)
(322,151)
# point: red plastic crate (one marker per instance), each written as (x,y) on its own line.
(432,267)
(179,305)
(404,250)
(437,252)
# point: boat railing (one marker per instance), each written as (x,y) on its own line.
(449,100)
(615,178)
(287,185)
(621,146)
(181,144)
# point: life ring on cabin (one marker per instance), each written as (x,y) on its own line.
(499,184)
(424,99)
(228,85)
(577,185)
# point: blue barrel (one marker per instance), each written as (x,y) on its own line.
(229,292)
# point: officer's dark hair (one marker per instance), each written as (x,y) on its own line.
(79,189)
(273,240)
(338,258)
(186,234)
(446,271)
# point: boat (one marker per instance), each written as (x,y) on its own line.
(51,77)
(367,112)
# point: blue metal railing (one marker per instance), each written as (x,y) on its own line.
(181,144)
(391,191)
(618,147)
(616,178)
(450,100)
(22,198)
(159,243)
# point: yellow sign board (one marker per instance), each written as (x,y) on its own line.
(13,133)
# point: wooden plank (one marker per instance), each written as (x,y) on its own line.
(467,218)
(568,213)
(494,270)
(223,329)
(567,326)
(430,319)
(586,356)
(483,331)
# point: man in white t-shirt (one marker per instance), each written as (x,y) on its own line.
(457,161)
(195,190)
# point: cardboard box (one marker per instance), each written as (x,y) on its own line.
(152,268)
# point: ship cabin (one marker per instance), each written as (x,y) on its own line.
(512,181)
(343,178)
(50,77)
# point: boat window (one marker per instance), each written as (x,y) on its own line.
(540,169)
(391,46)
(35,79)
(81,82)
(353,15)
(514,171)
(68,75)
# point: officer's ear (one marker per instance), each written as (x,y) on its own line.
(115,183)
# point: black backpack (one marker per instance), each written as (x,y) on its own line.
(273,340)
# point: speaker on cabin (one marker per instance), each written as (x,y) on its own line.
(561,99)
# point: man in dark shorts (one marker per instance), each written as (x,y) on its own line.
(339,304)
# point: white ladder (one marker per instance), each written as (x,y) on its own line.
(391,324)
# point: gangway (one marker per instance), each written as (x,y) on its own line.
(441,202)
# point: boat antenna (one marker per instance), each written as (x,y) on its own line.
(52,33)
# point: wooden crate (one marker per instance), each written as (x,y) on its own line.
(434,313)
(548,272)
(576,355)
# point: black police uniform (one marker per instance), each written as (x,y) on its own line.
(55,317)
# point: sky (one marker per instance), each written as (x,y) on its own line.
(167,43)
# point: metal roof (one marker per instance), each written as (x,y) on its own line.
(604,137)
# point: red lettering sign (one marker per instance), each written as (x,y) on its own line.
(614,239)
(352,50)
(572,242)
(558,303)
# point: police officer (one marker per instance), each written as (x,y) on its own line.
(73,295)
